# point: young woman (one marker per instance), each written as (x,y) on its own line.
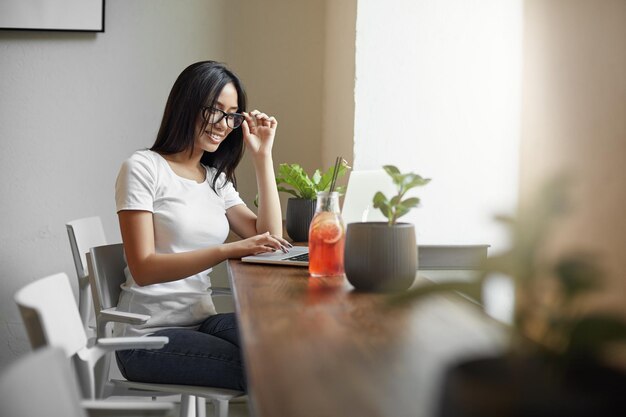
(176,203)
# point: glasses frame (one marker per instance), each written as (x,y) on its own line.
(229,116)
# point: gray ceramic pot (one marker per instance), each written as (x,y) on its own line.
(379,257)
(298,219)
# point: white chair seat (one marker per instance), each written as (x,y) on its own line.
(207,392)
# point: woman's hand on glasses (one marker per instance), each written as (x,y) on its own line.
(258,132)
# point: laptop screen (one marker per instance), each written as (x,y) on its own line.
(362,185)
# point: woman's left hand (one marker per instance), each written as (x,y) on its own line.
(258,132)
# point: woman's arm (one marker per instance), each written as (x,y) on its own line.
(270,217)
(258,131)
(148,267)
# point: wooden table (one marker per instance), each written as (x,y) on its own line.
(316,347)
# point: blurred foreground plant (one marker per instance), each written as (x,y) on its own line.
(546,320)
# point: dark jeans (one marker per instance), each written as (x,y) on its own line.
(209,356)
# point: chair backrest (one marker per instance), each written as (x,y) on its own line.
(106,268)
(84,234)
(40,384)
(49,312)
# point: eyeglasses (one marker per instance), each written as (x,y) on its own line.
(213,115)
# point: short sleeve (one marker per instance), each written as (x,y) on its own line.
(135,184)
(227,191)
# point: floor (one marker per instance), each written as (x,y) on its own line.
(237,408)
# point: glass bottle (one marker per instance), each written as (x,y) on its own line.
(327,236)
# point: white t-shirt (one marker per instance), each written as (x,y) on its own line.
(187,216)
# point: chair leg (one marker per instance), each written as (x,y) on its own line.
(187,405)
(220,408)
(101,375)
(200,407)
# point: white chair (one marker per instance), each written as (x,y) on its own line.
(35,382)
(106,273)
(83,234)
(51,318)
(42,383)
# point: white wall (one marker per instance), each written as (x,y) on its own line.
(438,93)
(72,107)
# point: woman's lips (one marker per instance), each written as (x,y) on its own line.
(214,137)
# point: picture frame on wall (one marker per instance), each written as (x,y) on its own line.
(52,15)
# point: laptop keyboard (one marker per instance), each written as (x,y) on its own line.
(302,257)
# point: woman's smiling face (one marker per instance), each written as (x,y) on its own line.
(210,138)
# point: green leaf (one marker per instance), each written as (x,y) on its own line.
(415,181)
(294,176)
(391,169)
(408,179)
(381,203)
(317,176)
(411,202)
(285,190)
(386,211)
(379,199)
(395,200)
(398,180)
(324,184)
(401,211)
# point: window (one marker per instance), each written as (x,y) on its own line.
(438,92)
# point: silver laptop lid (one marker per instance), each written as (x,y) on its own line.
(362,185)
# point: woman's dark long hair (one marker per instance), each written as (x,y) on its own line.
(199,85)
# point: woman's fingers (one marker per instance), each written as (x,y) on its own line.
(258,118)
(258,131)
(246,125)
(282,241)
(275,242)
(284,245)
(272,122)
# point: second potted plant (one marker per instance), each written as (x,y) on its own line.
(382,256)
(292,179)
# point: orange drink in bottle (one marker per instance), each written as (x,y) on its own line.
(327,236)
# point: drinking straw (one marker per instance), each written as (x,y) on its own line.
(335,172)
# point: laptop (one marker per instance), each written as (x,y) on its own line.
(357,207)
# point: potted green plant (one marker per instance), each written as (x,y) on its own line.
(293,180)
(382,256)
(558,360)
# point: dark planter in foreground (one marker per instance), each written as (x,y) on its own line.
(300,212)
(379,257)
(506,386)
